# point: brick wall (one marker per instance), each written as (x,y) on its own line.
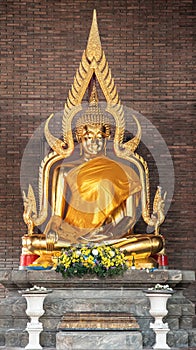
(149,47)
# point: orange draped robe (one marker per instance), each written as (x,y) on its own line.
(98,188)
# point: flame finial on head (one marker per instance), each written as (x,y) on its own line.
(93,99)
(93,116)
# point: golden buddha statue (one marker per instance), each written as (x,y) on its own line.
(94,198)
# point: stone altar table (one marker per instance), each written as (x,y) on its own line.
(98,330)
(124,294)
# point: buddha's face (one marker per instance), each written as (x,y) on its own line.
(93,140)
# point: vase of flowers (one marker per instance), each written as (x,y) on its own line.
(100,260)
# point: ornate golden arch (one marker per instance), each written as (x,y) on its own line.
(93,63)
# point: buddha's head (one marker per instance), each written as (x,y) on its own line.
(92,135)
(93,139)
(93,129)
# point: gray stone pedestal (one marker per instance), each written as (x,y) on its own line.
(123,294)
(101,340)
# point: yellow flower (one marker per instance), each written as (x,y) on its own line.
(75,255)
(85,251)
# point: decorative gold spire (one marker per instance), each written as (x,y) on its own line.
(93,63)
(93,49)
(93,95)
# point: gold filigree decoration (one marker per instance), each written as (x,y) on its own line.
(30,210)
(94,115)
(93,62)
(158,215)
(134,142)
(56,144)
(94,49)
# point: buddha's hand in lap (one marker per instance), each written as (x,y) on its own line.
(53,224)
(63,230)
(98,235)
(109,231)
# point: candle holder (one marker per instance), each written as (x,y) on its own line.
(35,299)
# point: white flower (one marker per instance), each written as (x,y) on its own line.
(161,287)
(95,252)
(35,288)
(112,253)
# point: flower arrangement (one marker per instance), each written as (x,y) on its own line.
(35,290)
(100,260)
(161,288)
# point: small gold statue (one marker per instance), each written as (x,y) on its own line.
(93,199)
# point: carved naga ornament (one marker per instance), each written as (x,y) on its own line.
(93,63)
